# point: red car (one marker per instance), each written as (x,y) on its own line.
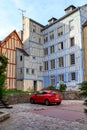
(47,96)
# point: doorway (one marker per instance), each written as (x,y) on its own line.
(35,85)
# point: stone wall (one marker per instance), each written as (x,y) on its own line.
(71,95)
(18,98)
(24,98)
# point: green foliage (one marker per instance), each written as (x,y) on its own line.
(83,89)
(8,92)
(62,87)
(83,92)
(50,88)
(3,64)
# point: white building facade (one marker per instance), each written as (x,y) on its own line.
(55,51)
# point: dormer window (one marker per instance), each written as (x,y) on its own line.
(70,8)
(52,20)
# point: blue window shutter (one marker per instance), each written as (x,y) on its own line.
(76,76)
(69,77)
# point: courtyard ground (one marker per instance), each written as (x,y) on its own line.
(67,116)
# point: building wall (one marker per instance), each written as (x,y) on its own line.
(85,51)
(65,53)
(8,48)
(34,45)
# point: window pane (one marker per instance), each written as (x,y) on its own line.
(60,31)
(52,80)
(73,76)
(61,77)
(27,70)
(60,46)
(34,28)
(46,65)
(51,35)
(52,62)
(72,59)
(52,49)
(61,62)
(45,51)
(72,41)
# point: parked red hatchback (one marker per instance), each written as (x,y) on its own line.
(47,97)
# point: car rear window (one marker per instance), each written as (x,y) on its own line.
(54,92)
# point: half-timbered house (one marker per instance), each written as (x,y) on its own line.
(8,48)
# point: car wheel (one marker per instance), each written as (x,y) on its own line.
(47,102)
(32,101)
(58,103)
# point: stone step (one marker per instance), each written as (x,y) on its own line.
(4,105)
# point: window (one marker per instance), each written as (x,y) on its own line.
(71,23)
(45,51)
(60,46)
(52,78)
(40,68)
(51,35)
(39,40)
(72,59)
(52,62)
(27,70)
(46,39)
(34,28)
(73,76)
(46,65)
(72,41)
(20,70)
(61,62)
(20,58)
(52,49)
(32,71)
(60,31)
(61,77)
(34,57)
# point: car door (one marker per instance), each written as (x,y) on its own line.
(40,97)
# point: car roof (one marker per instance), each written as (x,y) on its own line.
(48,91)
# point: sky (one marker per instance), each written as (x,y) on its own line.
(38,10)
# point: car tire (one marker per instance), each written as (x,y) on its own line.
(58,103)
(47,103)
(32,101)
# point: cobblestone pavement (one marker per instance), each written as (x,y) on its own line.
(23,118)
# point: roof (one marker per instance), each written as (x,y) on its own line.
(85,24)
(0,42)
(70,7)
(5,39)
(23,51)
(52,19)
(37,23)
(58,20)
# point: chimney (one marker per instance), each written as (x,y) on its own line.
(69,9)
(52,20)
